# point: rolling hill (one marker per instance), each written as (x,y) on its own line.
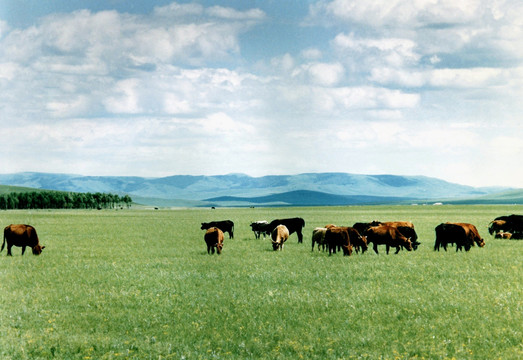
(244,190)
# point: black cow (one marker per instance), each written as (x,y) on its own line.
(511,223)
(227,226)
(452,234)
(294,225)
(260,228)
(363,226)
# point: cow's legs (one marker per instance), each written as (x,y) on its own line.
(23,250)
(300,236)
(375,247)
(397,249)
(9,246)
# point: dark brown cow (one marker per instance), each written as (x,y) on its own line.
(387,235)
(357,240)
(318,237)
(22,236)
(214,239)
(279,235)
(339,237)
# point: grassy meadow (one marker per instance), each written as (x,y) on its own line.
(139,284)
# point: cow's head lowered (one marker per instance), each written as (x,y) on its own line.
(37,250)
(278,236)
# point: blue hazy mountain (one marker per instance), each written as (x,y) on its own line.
(240,189)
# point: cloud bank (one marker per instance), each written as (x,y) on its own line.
(417,88)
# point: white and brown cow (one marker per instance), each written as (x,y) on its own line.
(279,235)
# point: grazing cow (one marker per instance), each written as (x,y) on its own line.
(294,225)
(214,239)
(260,228)
(357,240)
(339,237)
(227,226)
(279,235)
(387,235)
(22,236)
(405,227)
(472,233)
(318,237)
(452,234)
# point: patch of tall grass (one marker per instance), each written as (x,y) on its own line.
(139,284)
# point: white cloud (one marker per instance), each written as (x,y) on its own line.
(477,77)
(232,14)
(126,99)
(284,63)
(425,82)
(393,51)
(312,54)
(401,12)
(325,74)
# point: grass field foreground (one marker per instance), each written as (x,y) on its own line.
(139,284)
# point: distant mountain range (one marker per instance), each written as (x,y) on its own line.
(277,190)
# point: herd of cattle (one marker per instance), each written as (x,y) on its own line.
(394,234)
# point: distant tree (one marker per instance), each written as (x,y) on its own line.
(62,200)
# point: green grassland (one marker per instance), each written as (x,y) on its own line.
(139,284)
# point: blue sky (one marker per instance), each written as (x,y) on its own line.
(158,88)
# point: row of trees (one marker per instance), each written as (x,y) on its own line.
(62,200)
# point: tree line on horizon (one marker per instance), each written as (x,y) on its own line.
(62,200)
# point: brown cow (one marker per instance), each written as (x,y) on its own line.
(279,235)
(22,236)
(399,224)
(387,235)
(214,239)
(339,237)
(472,233)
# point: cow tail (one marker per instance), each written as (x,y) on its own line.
(3,244)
